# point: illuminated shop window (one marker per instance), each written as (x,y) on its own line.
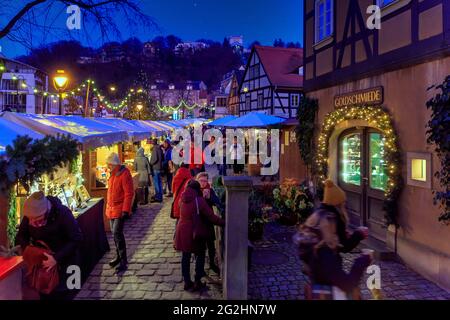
(351,159)
(419,169)
(378,168)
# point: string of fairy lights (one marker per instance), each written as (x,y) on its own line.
(377,117)
(96,92)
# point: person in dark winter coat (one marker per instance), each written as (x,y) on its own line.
(156,161)
(192,203)
(325,263)
(142,166)
(167,165)
(47,219)
(213,201)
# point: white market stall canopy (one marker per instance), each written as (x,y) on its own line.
(9,131)
(135,131)
(88,132)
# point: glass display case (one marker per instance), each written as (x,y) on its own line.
(378,168)
(351,159)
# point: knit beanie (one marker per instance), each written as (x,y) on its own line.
(333,195)
(113,159)
(35,205)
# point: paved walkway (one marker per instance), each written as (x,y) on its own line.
(154,270)
(280,277)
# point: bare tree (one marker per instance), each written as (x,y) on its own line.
(42,19)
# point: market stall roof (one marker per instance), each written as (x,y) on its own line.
(222,121)
(146,125)
(135,132)
(254,120)
(11,130)
(164,127)
(172,124)
(88,132)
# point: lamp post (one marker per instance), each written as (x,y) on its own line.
(139,108)
(60,82)
(113,89)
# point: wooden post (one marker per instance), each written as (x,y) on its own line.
(236,237)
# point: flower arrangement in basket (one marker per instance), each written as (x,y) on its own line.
(293,202)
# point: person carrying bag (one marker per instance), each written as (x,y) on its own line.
(42,279)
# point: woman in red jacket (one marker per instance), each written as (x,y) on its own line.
(193,203)
(180,180)
(118,206)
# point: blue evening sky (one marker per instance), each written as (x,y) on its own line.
(262,20)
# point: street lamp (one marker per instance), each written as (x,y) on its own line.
(60,82)
(139,107)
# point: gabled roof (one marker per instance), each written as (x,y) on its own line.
(282,65)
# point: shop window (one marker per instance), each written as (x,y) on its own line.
(378,168)
(419,169)
(351,159)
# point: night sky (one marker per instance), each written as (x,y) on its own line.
(262,20)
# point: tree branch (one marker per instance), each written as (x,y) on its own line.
(18,16)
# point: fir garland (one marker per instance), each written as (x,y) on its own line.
(306,116)
(439,135)
(11,228)
(26,160)
(377,117)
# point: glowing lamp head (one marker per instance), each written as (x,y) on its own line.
(60,80)
(139,107)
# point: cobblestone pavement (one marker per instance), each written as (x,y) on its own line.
(283,279)
(154,270)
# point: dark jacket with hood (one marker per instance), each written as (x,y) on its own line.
(184,237)
(157,158)
(61,233)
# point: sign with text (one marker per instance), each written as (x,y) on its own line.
(372,96)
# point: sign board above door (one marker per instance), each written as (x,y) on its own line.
(373,96)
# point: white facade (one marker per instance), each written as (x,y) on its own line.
(18,84)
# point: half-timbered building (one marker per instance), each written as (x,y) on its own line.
(369,74)
(272,82)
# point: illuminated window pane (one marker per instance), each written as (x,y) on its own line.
(378,166)
(351,159)
(419,169)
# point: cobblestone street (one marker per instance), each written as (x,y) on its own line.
(276,273)
(154,270)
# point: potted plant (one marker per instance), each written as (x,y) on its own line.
(293,202)
(258,216)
